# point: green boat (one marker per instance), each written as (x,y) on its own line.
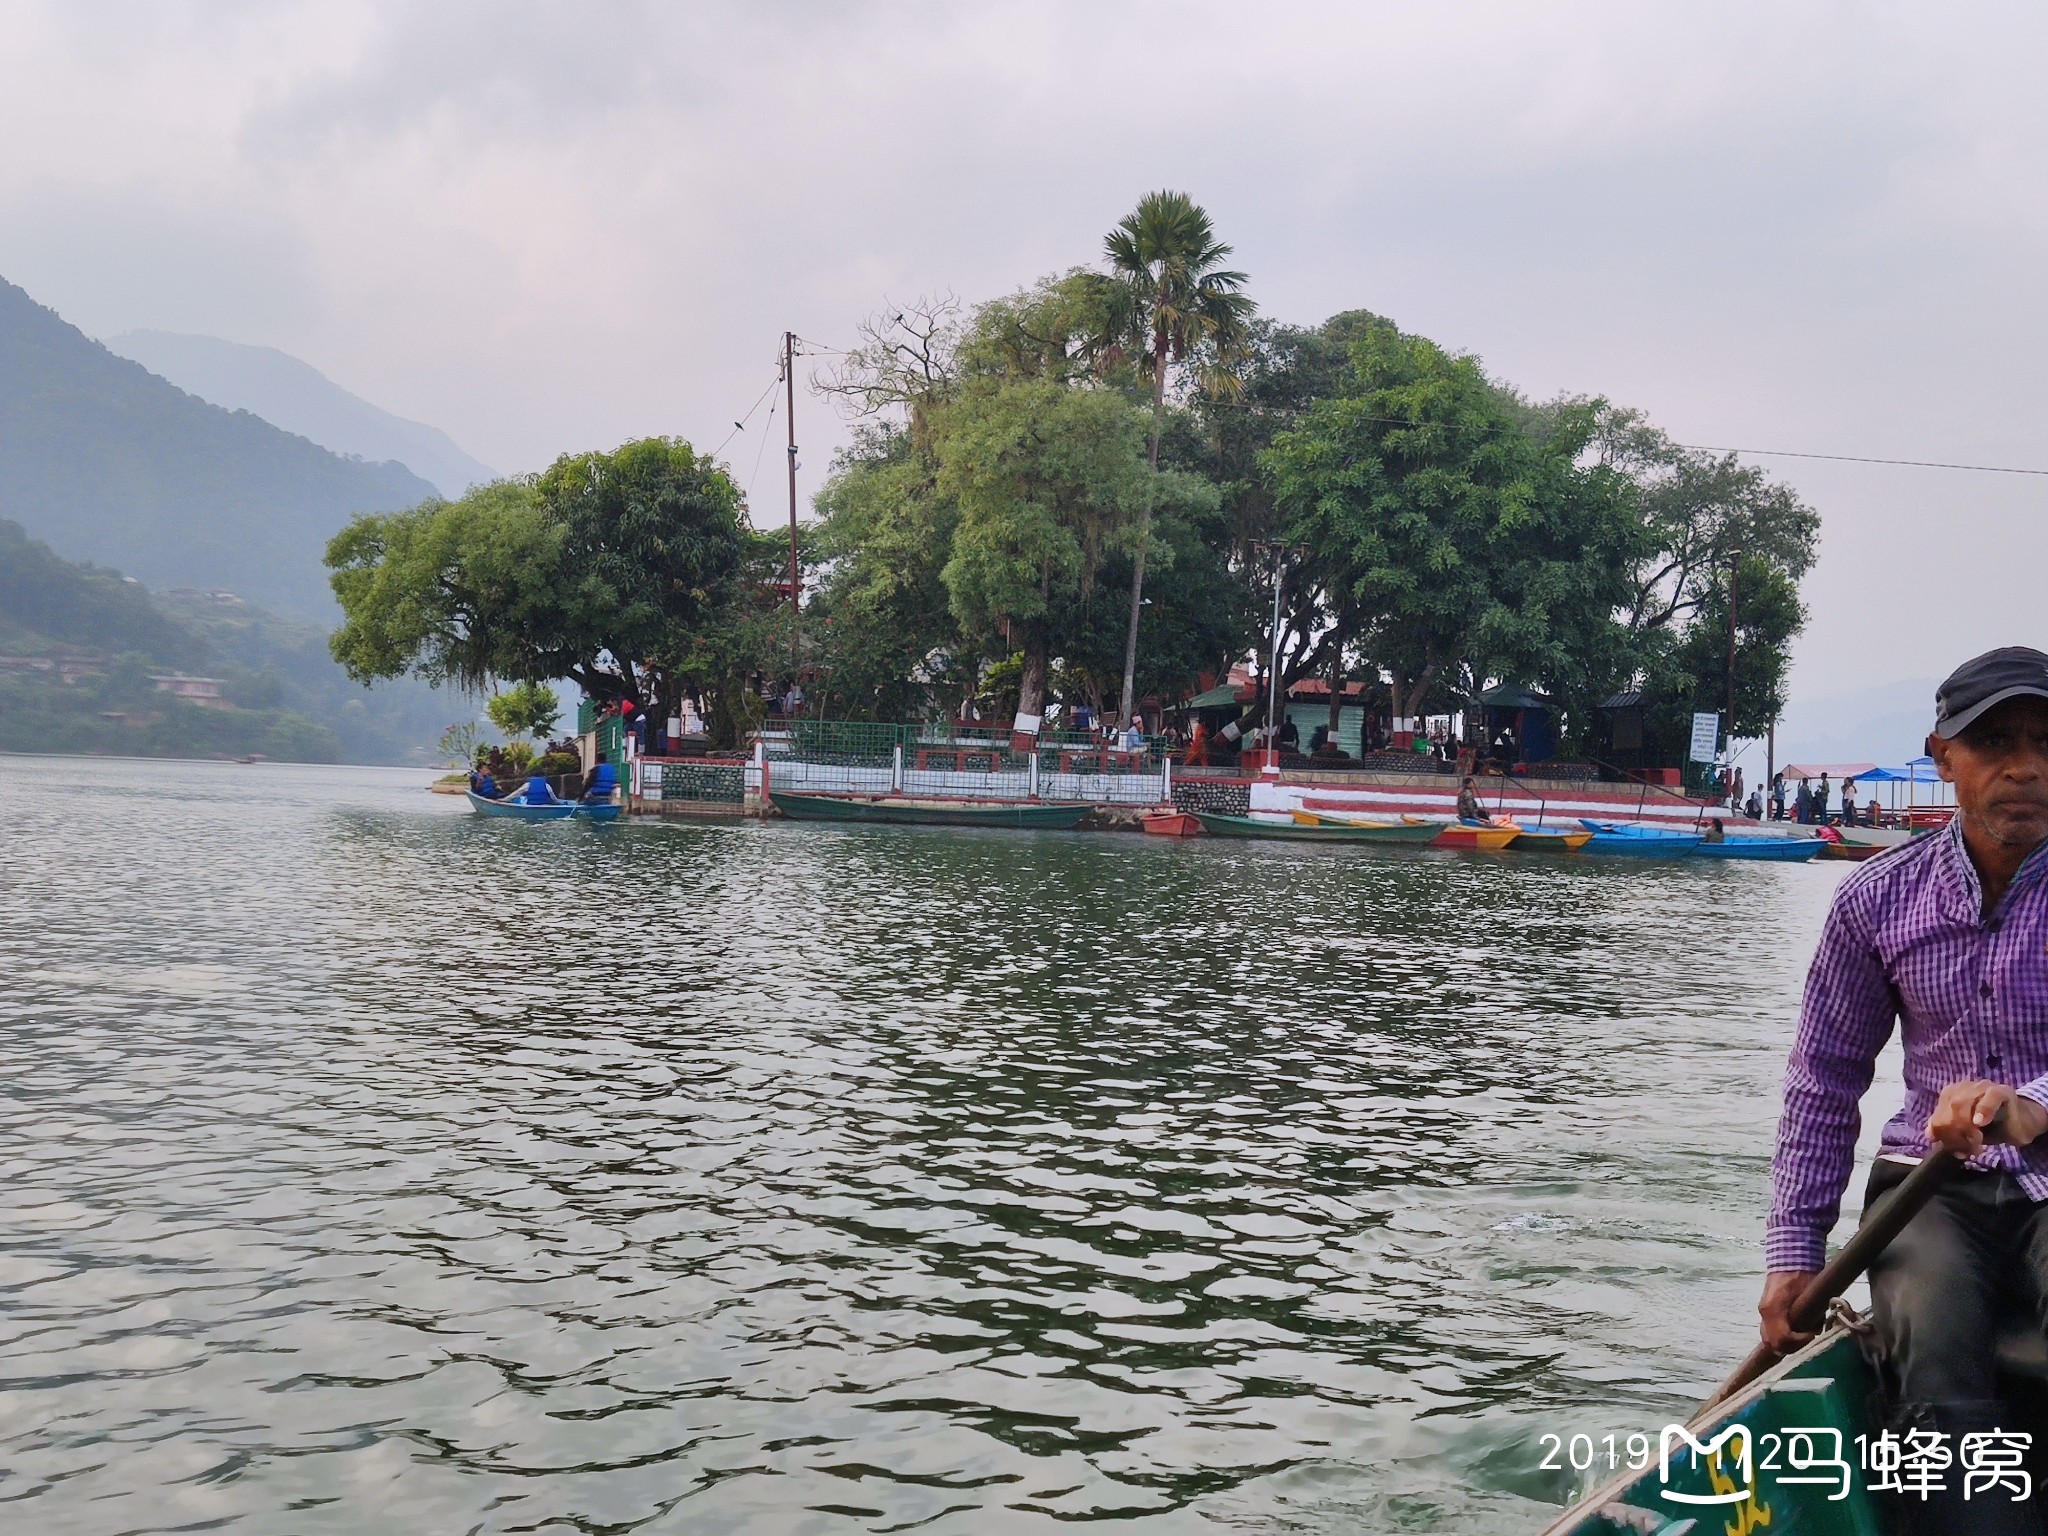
(931,813)
(1322,831)
(1798,1446)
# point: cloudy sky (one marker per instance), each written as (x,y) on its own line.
(547,227)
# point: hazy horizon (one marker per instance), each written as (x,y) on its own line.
(541,229)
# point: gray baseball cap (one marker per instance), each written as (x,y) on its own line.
(1984,682)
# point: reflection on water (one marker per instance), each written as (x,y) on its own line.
(371,1166)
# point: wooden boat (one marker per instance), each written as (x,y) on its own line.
(1848,850)
(1172,824)
(1632,840)
(1321,832)
(1829,1385)
(1757,1478)
(1548,840)
(932,813)
(1477,836)
(1781,850)
(557,810)
(1413,829)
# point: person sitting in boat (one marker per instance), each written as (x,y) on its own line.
(481,783)
(1469,808)
(1715,833)
(604,783)
(536,792)
(1948,937)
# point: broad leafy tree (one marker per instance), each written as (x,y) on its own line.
(608,569)
(1454,544)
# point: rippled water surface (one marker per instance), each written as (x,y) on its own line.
(368,1166)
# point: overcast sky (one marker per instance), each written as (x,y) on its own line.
(551,227)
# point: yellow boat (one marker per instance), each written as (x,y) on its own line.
(1311,819)
(1478,836)
(1549,840)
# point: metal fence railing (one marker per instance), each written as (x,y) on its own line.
(976,773)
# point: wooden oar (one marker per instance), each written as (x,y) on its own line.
(1870,1239)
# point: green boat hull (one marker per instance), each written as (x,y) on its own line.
(1829,1386)
(930,813)
(1219,825)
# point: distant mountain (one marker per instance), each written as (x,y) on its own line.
(109,463)
(298,397)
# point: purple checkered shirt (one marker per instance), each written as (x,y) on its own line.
(1906,939)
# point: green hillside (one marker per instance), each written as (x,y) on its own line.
(80,646)
(109,463)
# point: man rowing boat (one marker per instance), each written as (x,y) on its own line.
(1949,937)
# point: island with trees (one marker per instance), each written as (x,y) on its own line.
(1102,493)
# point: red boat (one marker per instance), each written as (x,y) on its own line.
(1172,824)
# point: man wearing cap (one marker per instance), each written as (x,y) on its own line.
(1948,937)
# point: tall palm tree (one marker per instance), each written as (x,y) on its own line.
(1171,296)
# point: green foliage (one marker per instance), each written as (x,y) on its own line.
(109,634)
(616,570)
(51,605)
(889,647)
(1448,540)
(1170,297)
(525,709)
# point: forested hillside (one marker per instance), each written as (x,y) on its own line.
(79,645)
(109,463)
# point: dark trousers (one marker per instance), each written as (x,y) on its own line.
(1976,1253)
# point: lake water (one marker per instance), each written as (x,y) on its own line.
(370,1166)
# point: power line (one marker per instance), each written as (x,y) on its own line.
(758,452)
(741,425)
(1857,458)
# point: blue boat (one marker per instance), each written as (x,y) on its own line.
(1779,850)
(596,810)
(1636,841)
(518,810)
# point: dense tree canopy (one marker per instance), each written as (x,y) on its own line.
(1032,476)
(611,569)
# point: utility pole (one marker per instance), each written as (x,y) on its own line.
(1734,564)
(789,382)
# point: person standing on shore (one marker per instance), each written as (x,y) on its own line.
(1946,937)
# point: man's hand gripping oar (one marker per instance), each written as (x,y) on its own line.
(1795,1306)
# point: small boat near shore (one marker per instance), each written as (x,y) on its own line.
(1548,840)
(1475,836)
(1631,840)
(1318,829)
(1777,850)
(1172,824)
(933,813)
(516,810)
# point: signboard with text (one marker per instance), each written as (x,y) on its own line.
(1706,737)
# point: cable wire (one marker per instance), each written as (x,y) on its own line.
(741,425)
(1857,458)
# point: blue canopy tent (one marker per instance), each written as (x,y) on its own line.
(1920,770)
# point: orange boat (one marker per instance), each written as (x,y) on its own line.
(1172,824)
(1480,837)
